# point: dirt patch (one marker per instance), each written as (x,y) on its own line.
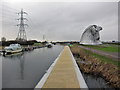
(92,65)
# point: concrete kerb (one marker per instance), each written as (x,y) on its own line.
(81,80)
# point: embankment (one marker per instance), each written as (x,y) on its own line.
(93,65)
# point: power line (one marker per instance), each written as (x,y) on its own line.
(22,34)
(7,11)
(5,6)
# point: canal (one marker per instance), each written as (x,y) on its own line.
(95,82)
(24,70)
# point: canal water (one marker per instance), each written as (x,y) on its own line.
(93,82)
(24,70)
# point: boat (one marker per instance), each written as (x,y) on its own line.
(14,54)
(49,45)
(28,49)
(12,48)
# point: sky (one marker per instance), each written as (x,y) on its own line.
(60,21)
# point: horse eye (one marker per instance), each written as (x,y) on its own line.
(95,26)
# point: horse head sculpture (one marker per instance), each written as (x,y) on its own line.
(91,35)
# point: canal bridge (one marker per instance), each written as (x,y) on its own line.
(63,73)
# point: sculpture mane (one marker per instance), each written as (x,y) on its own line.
(91,35)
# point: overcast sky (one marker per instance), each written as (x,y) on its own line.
(61,20)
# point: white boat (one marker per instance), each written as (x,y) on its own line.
(49,45)
(13,48)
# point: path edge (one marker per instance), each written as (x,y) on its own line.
(81,80)
(45,76)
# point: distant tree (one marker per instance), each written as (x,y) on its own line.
(3,39)
(44,42)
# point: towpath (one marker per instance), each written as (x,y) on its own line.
(65,73)
(113,55)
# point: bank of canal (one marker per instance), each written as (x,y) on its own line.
(96,82)
(94,66)
(24,70)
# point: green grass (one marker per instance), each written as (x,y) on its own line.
(109,49)
(105,48)
(103,58)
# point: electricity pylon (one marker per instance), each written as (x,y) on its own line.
(21,34)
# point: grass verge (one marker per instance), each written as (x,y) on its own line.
(105,48)
(97,65)
(103,58)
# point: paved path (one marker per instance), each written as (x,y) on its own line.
(113,55)
(63,74)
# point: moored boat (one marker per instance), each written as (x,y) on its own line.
(12,48)
(49,45)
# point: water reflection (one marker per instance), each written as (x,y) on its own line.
(21,58)
(97,82)
(14,56)
(24,70)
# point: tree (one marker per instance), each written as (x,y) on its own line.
(3,39)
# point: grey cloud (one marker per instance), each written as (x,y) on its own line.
(67,20)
